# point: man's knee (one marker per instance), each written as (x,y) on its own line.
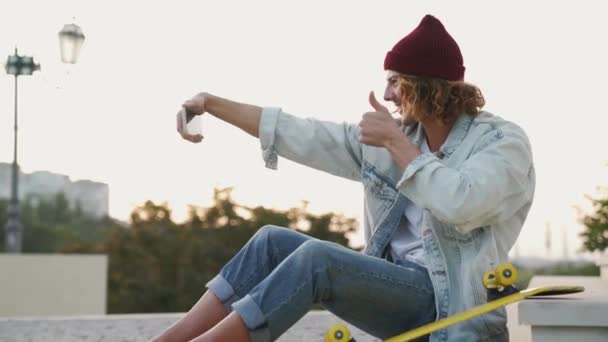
(313,259)
(314,249)
(270,233)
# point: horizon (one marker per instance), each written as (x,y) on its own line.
(554,255)
(111,117)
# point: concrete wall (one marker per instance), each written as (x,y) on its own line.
(52,284)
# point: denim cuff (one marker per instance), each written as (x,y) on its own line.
(267,131)
(254,319)
(223,291)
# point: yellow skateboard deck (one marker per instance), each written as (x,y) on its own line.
(499,283)
(484,308)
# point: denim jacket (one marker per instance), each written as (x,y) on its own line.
(475,192)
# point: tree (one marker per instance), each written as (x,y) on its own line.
(156,264)
(50,224)
(595,236)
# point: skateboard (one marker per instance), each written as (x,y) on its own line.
(499,284)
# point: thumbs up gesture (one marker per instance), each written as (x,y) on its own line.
(378,128)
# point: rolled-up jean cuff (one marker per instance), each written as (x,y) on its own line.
(223,291)
(254,319)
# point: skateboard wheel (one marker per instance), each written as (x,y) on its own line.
(506,274)
(338,333)
(489,280)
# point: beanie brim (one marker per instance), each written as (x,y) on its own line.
(423,67)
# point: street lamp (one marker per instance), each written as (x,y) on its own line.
(71,40)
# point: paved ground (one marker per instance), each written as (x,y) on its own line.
(142,327)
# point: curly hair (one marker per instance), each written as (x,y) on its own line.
(440,100)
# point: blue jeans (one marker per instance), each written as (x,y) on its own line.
(275,279)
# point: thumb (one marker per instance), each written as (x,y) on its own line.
(376,105)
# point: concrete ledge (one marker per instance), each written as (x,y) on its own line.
(575,317)
(565,312)
(569,334)
(142,327)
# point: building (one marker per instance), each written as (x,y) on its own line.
(93,197)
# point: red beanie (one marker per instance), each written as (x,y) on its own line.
(429,51)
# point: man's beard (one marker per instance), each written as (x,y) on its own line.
(406,119)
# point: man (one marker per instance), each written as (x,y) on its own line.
(447,188)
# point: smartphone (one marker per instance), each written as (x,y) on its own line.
(191,122)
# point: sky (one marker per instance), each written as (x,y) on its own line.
(111,117)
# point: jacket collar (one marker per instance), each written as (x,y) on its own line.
(460,129)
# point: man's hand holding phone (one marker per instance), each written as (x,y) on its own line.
(189,120)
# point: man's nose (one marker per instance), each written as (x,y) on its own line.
(388,94)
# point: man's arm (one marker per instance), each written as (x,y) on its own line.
(326,146)
(244,116)
(489,187)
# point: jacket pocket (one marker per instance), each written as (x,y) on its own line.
(379,192)
(449,232)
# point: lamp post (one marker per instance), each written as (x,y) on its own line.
(17,66)
(71,39)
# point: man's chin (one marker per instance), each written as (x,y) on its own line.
(408,119)
(405,118)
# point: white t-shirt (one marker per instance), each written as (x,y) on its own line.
(407,242)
